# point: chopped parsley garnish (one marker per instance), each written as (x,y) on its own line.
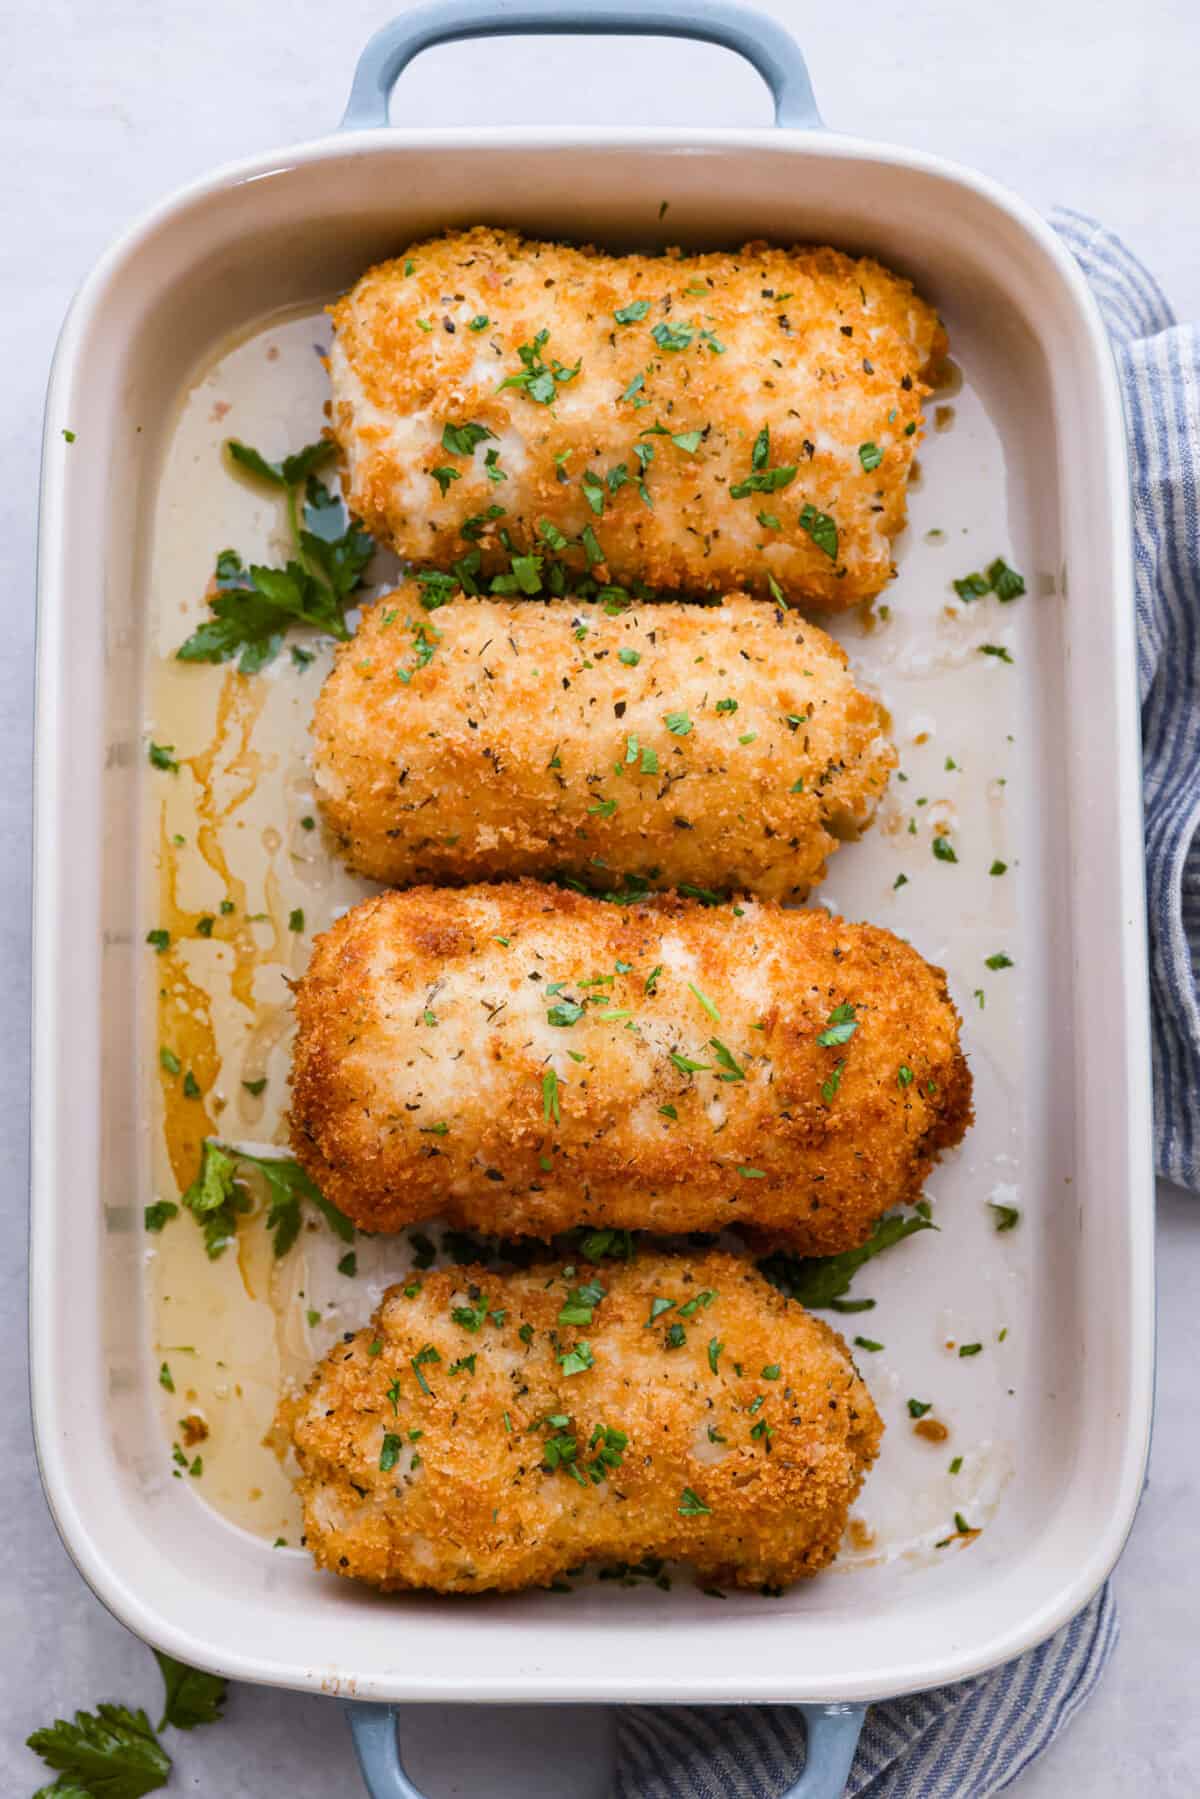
(161,757)
(673,337)
(427,1355)
(819,1282)
(156,1216)
(461,440)
(831,1083)
(169,1061)
(296,919)
(752,1174)
(1005,1218)
(677,723)
(254,607)
(577,1360)
(917,1408)
(630,658)
(904,1075)
(629,315)
(867,1343)
(771,1371)
(470,1317)
(943,849)
(762,479)
(966,1349)
(840,1027)
(550,1105)
(537,379)
(1000,579)
(956,1464)
(998,960)
(692,1506)
(705,1002)
(715,1346)
(703,1298)
(581,1302)
(160,941)
(732,1070)
(995,649)
(676,1337)
(686,1066)
(657,1308)
(821,528)
(166,1379)
(870,455)
(564,1012)
(389,1454)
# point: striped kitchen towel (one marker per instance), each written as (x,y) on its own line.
(973,1739)
(1160,369)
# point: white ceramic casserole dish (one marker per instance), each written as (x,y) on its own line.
(298,226)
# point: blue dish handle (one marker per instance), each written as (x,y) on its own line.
(833,1732)
(751,34)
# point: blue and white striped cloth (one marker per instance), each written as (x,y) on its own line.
(973,1739)
(1159,362)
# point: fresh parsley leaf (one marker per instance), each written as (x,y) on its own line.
(917,1408)
(816,1281)
(841,1026)
(254,608)
(461,440)
(1005,582)
(161,756)
(111,1753)
(972,587)
(870,455)
(943,849)
(629,315)
(192,1697)
(821,528)
(677,723)
(564,1012)
(998,960)
(688,441)
(577,1360)
(1006,1218)
(673,337)
(692,1506)
(155,1216)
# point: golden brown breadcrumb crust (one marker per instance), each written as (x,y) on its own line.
(434,1454)
(712,745)
(521,1059)
(652,423)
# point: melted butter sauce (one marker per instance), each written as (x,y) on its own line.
(227,831)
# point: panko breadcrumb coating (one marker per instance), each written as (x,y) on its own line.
(698,423)
(520,1059)
(495,1431)
(709,745)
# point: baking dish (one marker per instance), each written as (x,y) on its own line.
(298,225)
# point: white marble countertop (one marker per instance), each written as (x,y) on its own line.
(105,106)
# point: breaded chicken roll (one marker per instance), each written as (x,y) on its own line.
(493,1432)
(698,423)
(711,745)
(521,1060)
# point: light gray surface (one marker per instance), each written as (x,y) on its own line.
(105,106)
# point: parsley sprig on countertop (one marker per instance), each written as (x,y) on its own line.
(819,1282)
(253,608)
(113,1752)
